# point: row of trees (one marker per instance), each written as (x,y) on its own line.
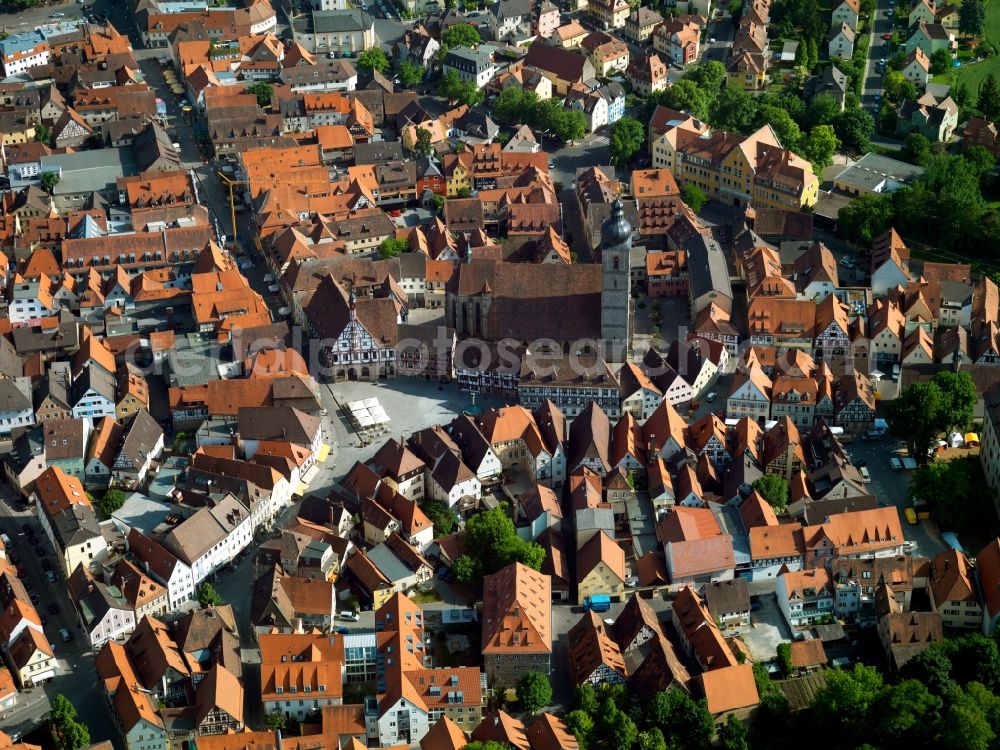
(814,130)
(516,106)
(944,697)
(612,718)
(944,207)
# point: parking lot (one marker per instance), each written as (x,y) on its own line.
(890,487)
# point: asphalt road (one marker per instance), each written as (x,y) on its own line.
(878,49)
(75,676)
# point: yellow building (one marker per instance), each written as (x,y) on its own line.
(600,567)
(15,130)
(135,395)
(32,658)
(728,167)
(456,175)
(747,70)
(612,13)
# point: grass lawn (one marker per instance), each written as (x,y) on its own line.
(972,75)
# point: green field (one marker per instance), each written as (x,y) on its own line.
(972,75)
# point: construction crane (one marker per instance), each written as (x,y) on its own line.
(230,183)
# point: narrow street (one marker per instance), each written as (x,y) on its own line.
(75,676)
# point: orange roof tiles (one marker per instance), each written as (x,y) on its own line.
(518,601)
(57,491)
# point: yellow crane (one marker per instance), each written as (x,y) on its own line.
(230,183)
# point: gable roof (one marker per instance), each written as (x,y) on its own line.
(517,602)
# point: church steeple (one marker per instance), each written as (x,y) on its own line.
(616,317)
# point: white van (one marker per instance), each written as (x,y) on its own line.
(349,616)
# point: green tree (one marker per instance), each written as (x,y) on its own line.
(961,96)
(822,110)
(841,706)
(373,58)
(709,75)
(820,146)
(988,99)
(581,725)
(449,85)
(441,516)
(488,745)
(652,739)
(959,397)
(897,88)
(922,411)
(733,735)
(784,126)
(854,128)
(940,62)
(813,53)
(774,489)
(69,733)
(410,74)
(263,91)
(49,181)
(784,654)
(460,35)
(912,416)
(43,134)
(392,246)
(208,596)
(534,691)
(963,724)
(493,543)
(734,109)
(981,161)
(685,96)
(694,197)
(274,720)
(423,145)
(972,17)
(931,667)
(907,710)
(916,149)
(111,501)
(627,137)
(617,728)
(515,106)
(952,490)
(585,699)
(865,218)
(683,719)
(469,94)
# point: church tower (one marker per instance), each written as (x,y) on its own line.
(616,299)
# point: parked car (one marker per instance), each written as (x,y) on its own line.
(887,36)
(51,576)
(342,630)
(895,463)
(349,616)
(65,635)
(53,609)
(21,572)
(863,471)
(711,397)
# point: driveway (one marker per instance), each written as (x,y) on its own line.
(767,629)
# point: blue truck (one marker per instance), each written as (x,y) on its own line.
(597,603)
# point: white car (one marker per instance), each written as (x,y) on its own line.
(269,278)
(863,471)
(349,616)
(57,14)
(711,397)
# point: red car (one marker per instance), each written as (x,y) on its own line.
(395,212)
(21,572)
(887,36)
